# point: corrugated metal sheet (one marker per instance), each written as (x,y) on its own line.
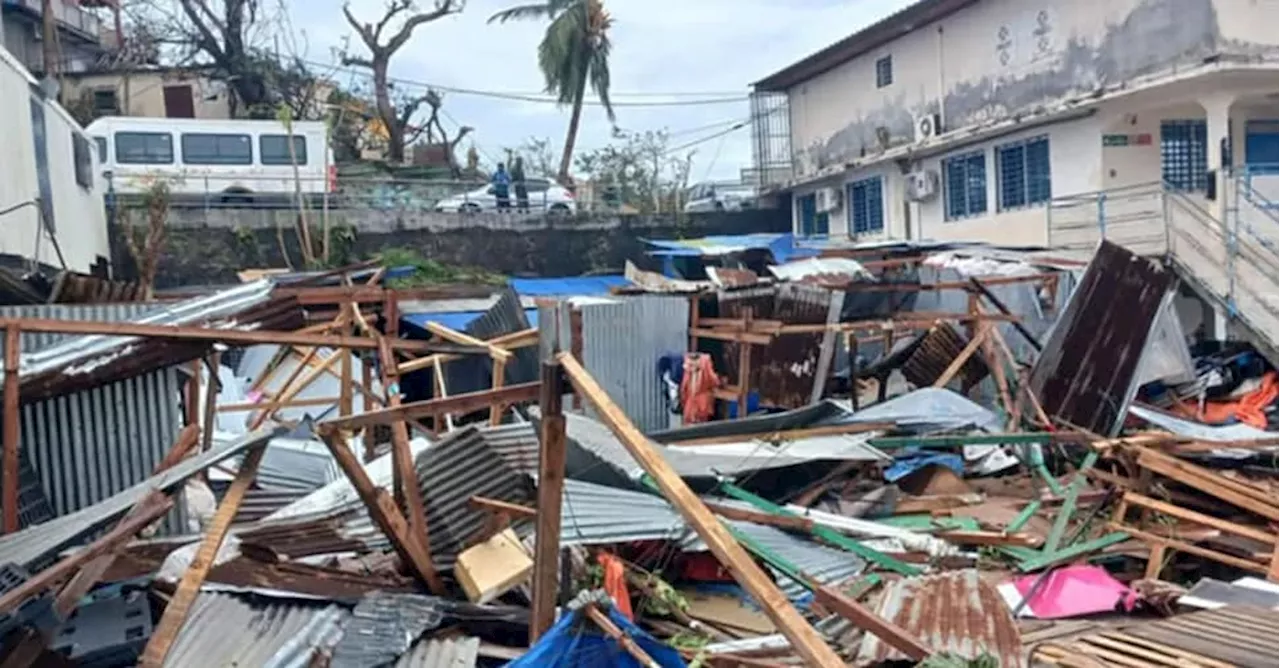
(87,445)
(933,354)
(956,612)
(621,344)
(1232,636)
(1086,374)
(34,543)
(824,564)
(516,443)
(460,466)
(237,630)
(813,415)
(458,652)
(84,361)
(600,515)
(382,626)
(791,371)
(603,447)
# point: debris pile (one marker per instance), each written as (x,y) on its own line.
(934,455)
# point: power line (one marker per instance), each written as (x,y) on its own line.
(522,97)
(709,137)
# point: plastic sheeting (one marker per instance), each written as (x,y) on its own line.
(1207,432)
(574,642)
(929,409)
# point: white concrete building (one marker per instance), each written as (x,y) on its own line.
(1036,122)
(51,206)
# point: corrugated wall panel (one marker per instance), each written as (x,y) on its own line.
(88,445)
(621,344)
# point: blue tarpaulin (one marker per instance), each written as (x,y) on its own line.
(781,245)
(575,642)
(572,286)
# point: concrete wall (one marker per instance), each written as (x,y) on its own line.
(998,58)
(209,247)
(142,93)
(78,216)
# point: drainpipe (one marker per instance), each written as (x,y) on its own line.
(942,86)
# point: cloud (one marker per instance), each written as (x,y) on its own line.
(711,47)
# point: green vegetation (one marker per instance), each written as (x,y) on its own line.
(431,272)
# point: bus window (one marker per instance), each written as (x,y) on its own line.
(211,149)
(273,150)
(144,148)
(101,143)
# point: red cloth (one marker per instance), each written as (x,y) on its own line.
(697,388)
(615,583)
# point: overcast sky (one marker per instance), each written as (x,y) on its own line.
(714,48)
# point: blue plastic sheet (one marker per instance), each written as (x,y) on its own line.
(575,642)
(904,466)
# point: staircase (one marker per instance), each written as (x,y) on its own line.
(1233,264)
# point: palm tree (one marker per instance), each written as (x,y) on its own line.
(574,52)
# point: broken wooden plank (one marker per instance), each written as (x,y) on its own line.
(803,637)
(892,634)
(495,352)
(175,613)
(406,475)
(552,454)
(384,513)
(457,404)
(515,510)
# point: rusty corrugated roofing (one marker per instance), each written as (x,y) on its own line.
(955,612)
(1085,375)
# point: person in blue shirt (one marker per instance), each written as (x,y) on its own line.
(502,187)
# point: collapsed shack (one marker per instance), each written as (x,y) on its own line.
(944,456)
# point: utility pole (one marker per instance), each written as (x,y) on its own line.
(50,35)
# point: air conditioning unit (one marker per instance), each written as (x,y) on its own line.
(928,126)
(922,185)
(827,199)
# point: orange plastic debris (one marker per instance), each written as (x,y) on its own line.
(1249,409)
(615,583)
(697,388)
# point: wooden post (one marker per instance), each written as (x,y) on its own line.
(406,474)
(551,462)
(211,400)
(628,643)
(193,394)
(744,367)
(499,379)
(175,613)
(12,426)
(804,639)
(383,511)
(346,400)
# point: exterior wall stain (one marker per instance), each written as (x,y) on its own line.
(1155,36)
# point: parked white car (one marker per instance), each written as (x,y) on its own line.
(719,197)
(543,196)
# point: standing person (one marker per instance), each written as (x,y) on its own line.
(522,190)
(502,187)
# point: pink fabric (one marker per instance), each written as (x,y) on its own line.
(1074,591)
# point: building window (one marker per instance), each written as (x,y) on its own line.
(812,222)
(965,186)
(105,102)
(884,71)
(866,205)
(210,149)
(1260,146)
(82,153)
(144,148)
(1023,173)
(1183,154)
(274,150)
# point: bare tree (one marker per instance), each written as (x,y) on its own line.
(382,44)
(231,35)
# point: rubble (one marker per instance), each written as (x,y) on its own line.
(946,455)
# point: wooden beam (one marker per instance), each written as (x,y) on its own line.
(275,406)
(722,544)
(758,517)
(503,507)
(406,475)
(230,336)
(981,287)
(499,380)
(789,435)
(1264,537)
(12,426)
(1219,486)
(628,643)
(965,353)
(152,506)
(892,634)
(521,339)
(212,362)
(458,404)
(551,464)
(175,613)
(496,352)
(385,514)
(346,397)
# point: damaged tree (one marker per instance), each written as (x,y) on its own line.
(381,48)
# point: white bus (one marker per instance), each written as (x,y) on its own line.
(213,160)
